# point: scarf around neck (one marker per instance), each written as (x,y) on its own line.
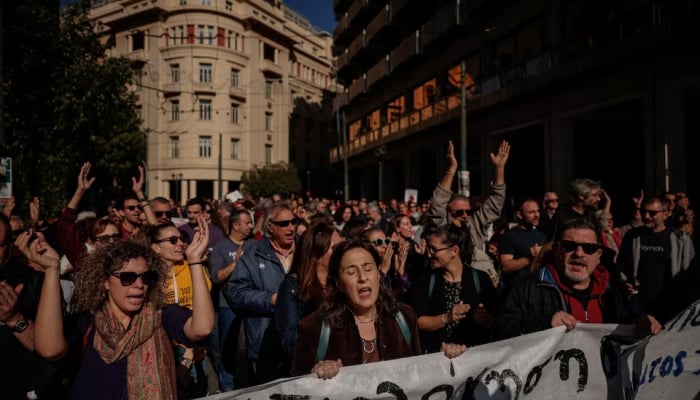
(150,364)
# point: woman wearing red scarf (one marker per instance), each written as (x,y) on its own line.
(122,339)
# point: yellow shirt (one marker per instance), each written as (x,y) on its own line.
(178,285)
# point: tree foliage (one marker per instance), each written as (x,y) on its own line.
(65,102)
(270,179)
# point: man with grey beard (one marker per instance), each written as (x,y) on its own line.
(571,286)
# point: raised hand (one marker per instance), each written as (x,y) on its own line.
(401,258)
(500,159)
(35,210)
(9,206)
(386,259)
(197,250)
(83,182)
(37,250)
(451,159)
(137,185)
(8,301)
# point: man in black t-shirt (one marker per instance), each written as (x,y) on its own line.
(651,255)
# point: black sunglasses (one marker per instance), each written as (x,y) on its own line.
(570,245)
(379,242)
(128,278)
(172,239)
(131,208)
(459,213)
(160,214)
(652,213)
(108,238)
(284,223)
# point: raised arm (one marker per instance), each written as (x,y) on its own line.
(83,186)
(200,325)
(448,177)
(499,162)
(137,187)
(49,341)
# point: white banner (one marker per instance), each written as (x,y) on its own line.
(591,362)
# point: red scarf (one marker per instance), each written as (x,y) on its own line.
(150,364)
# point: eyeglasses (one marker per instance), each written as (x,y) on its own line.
(570,245)
(284,223)
(459,213)
(379,242)
(128,278)
(652,213)
(131,208)
(433,250)
(172,239)
(108,238)
(161,214)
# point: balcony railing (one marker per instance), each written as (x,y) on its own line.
(407,49)
(358,87)
(358,44)
(381,20)
(444,19)
(397,6)
(379,71)
(355,9)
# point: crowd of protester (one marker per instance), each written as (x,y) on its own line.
(153,300)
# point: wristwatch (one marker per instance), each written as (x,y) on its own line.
(20,326)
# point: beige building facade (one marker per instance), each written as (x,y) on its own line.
(217,82)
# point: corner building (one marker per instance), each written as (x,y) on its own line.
(217,83)
(607,90)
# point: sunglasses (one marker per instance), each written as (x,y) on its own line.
(459,213)
(172,239)
(128,278)
(131,208)
(284,223)
(161,214)
(379,242)
(108,238)
(570,245)
(652,213)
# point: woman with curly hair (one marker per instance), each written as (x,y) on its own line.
(122,339)
(361,319)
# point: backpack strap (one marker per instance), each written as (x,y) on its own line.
(477,284)
(431,285)
(322,347)
(323,341)
(403,325)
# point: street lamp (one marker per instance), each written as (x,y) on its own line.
(177,178)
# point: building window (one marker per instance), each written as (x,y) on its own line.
(210,35)
(234,148)
(268,89)
(229,6)
(138,41)
(268,154)
(175,73)
(235,75)
(205,110)
(268,52)
(200,33)
(268,121)
(206,2)
(205,73)
(175,110)
(205,146)
(174,147)
(234,113)
(183,2)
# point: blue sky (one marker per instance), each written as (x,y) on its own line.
(319,12)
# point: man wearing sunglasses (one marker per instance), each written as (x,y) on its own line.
(162,209)
(253,290)
(449,207)
(570,287)
(653,254)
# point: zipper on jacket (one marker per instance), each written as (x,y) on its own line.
(585,315)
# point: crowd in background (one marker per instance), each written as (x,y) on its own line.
(152,299)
